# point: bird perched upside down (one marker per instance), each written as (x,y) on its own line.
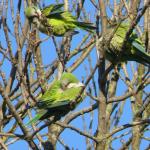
(56,101)
(52,20)
(134,48)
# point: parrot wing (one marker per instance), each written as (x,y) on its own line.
(52,9)
(69,21)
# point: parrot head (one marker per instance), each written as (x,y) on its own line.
(32,12)
(68,80)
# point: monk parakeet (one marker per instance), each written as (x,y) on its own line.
(56,101)
(51,20)
(134,51)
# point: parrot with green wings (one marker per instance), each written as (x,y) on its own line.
(134,50)
(52,20)
(56,101)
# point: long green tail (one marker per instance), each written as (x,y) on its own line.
(86,26)
(142,56)
(37,117)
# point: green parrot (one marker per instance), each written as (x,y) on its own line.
(134,51)
(51,20)
(56,101)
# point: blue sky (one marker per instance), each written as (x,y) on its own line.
(48,54)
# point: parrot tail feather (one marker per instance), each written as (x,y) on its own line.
(37,117)
(86,26)
(144,57)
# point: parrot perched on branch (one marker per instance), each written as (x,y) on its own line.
(52,20)
(56,101)
(134,48)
